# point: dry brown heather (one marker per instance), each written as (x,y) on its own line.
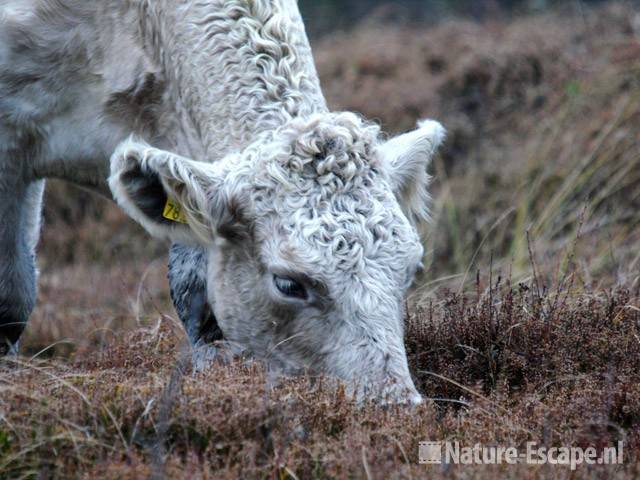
(538,190)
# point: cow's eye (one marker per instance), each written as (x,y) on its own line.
(290,287)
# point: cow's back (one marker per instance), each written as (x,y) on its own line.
(62,63)
(78,76)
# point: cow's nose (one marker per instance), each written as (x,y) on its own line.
(401,393)
(412,399)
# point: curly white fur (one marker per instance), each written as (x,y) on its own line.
(217,104)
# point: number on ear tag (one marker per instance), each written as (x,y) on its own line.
(173,211)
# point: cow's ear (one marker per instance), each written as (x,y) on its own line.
(406,158)
(173,197)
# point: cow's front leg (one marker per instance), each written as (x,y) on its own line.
(188,284)
(20,206)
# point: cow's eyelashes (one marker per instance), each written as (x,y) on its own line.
(289,287)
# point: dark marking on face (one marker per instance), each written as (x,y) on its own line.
(234,224)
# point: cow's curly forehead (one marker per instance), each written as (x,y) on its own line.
(323,188)
(322,156)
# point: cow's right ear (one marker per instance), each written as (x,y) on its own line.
(173,197)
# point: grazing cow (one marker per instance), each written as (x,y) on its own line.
(294,228)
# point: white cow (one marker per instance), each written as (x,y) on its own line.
(295,226)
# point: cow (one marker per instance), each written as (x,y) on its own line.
(294,228)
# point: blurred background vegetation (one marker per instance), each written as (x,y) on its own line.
(322,16)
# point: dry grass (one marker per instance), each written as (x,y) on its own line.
(505,365)
(537,190)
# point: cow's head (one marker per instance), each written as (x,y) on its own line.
(312,240)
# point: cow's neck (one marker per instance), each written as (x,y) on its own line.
(236,68)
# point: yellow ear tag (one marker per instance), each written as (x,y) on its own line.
(173,211)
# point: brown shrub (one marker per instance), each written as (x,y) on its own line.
(504,366)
